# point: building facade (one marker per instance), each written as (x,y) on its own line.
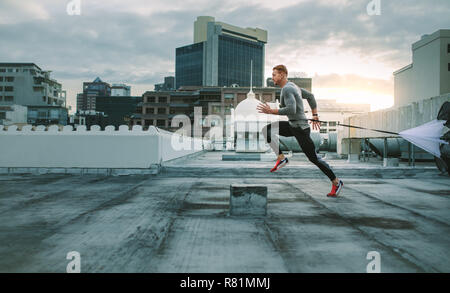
(333,113)
(26,84)
(47,115)
(88,118)
(168,85)
(429,73)
(120,90)
(86,101)
(159,108)
(221,56)
(13,114)
(118,110)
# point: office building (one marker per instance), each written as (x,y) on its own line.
(91,90)
(221,55)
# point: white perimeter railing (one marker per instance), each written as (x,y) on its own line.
(65,148)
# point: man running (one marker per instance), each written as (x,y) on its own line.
(291,105)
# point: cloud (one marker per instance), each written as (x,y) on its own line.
(24,9)
(134,41)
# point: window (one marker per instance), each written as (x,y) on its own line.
(150,99)
(332,129)
(150,110)
(2,70)
(10,70)
(148,122)
(1,98)
(1,78)
(323,131)
(161,110)
(215,109)
(44,99)
(2,115)
(323,124)
(448,48)
(162,99)
(449,67)
(332,123)
(1,88)
(9,78)
(160,122)
(9,98)
(9,88)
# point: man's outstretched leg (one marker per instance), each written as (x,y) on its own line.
(271,133)
(304,140)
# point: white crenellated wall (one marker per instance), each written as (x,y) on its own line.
(88,149)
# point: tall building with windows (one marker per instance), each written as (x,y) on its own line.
(221,55)
(26,84)
(91,90)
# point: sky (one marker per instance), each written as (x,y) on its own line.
(349,54)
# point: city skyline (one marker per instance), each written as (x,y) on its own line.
(350,56)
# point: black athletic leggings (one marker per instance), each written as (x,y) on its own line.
(283,128)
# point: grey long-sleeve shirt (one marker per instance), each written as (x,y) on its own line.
(291,104)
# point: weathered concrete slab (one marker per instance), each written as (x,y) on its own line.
(181,223)
(248,200)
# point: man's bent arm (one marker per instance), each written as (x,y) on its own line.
(311,100)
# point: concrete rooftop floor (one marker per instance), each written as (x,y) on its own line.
(178,221)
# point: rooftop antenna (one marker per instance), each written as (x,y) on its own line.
(250,93)
(251,75)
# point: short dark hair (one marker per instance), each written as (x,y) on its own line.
(281,68)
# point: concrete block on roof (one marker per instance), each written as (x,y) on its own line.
(248,200)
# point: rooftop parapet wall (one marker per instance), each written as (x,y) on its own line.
(66,148)
(394,120)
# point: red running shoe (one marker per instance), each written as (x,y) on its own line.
(336,189)
(280,164)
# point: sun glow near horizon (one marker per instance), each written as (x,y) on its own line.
(376,100)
